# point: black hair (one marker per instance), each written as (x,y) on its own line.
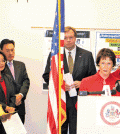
(5,59)
(106,52)
(6,41)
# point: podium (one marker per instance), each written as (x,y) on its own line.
(98,115)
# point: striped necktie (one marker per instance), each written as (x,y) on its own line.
(70,63)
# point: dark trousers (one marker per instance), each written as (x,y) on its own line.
(21,111)
(22,117)
(2,130)
(71,116)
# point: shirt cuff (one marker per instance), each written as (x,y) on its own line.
(21,94)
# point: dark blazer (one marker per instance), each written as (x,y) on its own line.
(10,86)
(22,82)
(83,67)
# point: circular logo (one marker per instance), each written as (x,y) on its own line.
(110,113)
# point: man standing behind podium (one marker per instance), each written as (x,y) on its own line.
(18,72)
(80,64)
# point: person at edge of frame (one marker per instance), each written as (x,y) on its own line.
(19,75)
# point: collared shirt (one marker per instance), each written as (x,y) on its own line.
(73,53)
(13,68)
(9,62)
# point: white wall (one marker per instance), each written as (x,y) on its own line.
(16,20)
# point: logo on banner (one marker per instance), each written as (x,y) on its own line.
(110,113)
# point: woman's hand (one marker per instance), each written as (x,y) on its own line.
(77,84)
(10,109)
(5,117)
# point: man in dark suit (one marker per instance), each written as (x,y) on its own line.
(18,72)
(83,66)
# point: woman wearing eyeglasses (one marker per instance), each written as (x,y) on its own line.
(7,95)
(105,61)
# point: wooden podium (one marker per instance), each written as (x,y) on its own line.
(98,115)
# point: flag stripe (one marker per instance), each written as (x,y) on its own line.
(55,84)
(53,100)
(52,125)
(56,114)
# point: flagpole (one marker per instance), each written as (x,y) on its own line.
(59,16)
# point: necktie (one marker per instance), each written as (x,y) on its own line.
(70,63)
(11,69)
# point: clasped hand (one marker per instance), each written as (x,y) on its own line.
(18,99)
(76,84)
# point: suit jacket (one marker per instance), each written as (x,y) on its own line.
(83,67)
(10,86)
(22,82)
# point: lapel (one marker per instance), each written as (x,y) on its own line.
(6,84)
(66,70)
(7,70)
(16,70)
(1,88)
(77,60)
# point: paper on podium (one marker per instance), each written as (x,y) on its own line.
(69,80)
(14,125)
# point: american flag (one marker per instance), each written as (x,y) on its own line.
(56,114)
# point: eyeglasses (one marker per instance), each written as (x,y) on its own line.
(2,62)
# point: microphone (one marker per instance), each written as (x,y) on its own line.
(113,91)
(117,84)
(85,93)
